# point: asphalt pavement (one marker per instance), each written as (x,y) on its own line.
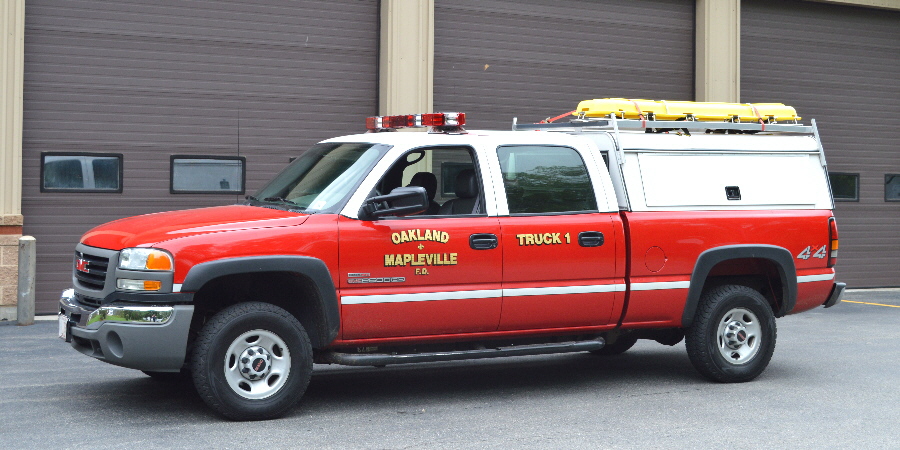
(833,383)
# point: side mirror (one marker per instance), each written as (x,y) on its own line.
(402,201)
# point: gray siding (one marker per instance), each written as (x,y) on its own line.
(839,65)
(535,59)
(261,79)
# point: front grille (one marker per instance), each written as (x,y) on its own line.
(90,270)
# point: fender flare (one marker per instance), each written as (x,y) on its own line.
(780,256)
(312,268)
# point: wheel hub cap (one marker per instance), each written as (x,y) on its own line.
(735,334)
(739,336)
(255,363)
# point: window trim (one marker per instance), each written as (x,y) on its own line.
(242,159)
(886,177)
(833,198)
(120,157)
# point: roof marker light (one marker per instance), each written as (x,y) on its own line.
(439,122)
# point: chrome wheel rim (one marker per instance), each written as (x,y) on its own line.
(739,336)
(257,364)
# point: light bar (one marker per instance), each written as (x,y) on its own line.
(443,121)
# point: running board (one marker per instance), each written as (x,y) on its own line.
(383,359)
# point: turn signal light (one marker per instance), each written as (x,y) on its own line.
(138,285)
(159,261)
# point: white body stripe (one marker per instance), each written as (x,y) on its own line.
(809,278)
(487,293)
(557,290)
(176,288)
(423,297)
(660,285)
(524,292)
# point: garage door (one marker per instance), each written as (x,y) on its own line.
(839,65)
(148,80)
(498,59)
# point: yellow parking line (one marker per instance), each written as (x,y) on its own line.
(876,304)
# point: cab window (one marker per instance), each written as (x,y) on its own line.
(448,174)
(545,179)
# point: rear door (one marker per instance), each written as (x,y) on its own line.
(559,249)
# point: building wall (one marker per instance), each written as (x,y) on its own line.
(497,59)
(840,65)
(406,83)
(259,80)
(11,67)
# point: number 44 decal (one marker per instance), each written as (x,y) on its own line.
(807,253)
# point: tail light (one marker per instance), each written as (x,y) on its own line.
(832,242)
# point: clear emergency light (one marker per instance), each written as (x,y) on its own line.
(442,122)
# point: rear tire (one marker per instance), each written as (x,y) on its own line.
(733,335)
(252,361)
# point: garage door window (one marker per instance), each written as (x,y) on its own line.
(844,186)
(81,172)
(208,174)
(892,187)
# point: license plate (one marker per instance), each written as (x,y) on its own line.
(63,327)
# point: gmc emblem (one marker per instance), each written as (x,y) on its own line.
(81,265)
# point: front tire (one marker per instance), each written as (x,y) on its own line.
(733,335)
(252,361)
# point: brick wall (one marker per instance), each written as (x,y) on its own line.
(10,232)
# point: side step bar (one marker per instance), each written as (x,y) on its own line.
(383,359)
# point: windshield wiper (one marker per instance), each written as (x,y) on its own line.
(278,200)
(291,205)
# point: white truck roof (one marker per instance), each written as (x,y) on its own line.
(672,171)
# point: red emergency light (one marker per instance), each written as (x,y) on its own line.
(444,122)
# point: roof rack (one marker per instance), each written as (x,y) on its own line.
(660,126)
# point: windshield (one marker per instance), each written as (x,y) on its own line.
(322,178)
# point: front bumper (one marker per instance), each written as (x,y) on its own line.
(152,338)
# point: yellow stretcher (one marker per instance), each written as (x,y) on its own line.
(625,108)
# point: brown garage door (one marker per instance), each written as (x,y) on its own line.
(498,59)
(148,80)
(839,65)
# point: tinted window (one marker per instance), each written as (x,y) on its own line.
(81,172)
(545,179)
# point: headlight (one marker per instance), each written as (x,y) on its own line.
(145,259)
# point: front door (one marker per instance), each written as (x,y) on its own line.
(425,274)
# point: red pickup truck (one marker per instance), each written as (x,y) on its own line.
(387,247)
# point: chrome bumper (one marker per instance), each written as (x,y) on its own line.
(150,338)
(148,315)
